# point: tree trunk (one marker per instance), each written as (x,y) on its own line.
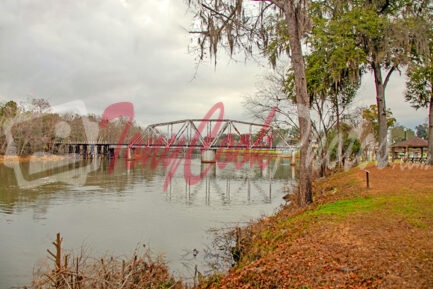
(382,153)
(430,131)
(305,195)
(340,138)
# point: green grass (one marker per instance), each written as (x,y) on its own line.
(416,209)
(344,207)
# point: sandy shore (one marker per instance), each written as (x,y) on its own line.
(37,157)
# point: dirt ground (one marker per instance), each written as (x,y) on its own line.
(351,237)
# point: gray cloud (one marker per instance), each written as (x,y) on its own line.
(108,51)
(104,52)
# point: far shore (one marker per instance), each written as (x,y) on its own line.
(27,158)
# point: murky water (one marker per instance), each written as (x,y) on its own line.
(114,213)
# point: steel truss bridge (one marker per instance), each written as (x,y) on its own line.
(203,134)
(209,134)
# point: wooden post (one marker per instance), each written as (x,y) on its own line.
(392,154)
(367,178)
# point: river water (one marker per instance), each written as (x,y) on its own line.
(115,212)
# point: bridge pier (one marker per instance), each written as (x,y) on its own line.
(130,153)
(293,160)
(208,156)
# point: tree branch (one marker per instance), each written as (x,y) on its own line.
(216,12)
(389,75)
(279,4)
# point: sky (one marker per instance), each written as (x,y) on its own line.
(107,51)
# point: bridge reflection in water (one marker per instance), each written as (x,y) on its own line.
(228,182)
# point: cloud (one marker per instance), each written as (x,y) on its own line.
(107,51)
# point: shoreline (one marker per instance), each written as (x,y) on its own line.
(27,158)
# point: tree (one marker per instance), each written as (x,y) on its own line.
(271,94)
(40,104)
(333,70)
(420,90)
(351,146)
(384,33)
(370,114)
(400,133)
(9,110)
(229,24)
(422,130)
(332,82)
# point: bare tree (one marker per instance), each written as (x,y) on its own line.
(271,93)
(40,104)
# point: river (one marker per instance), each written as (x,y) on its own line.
(115,212)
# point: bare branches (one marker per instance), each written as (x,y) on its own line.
(140,270)
(271,94)
(235,25)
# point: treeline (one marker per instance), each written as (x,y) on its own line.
(33,128)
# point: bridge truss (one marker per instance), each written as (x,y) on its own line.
(207,133)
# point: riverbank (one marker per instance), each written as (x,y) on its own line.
(351,237)
(21,159)
(38,157)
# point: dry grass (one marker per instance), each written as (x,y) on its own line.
(140,270)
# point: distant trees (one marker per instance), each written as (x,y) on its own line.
(9,110)
(400,133)
(422,130)
(350,144)
(38,129)
(370,115)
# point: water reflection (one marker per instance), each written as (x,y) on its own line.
(113,212)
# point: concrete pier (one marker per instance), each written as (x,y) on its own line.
(293,160)
(208,156)
(130,153)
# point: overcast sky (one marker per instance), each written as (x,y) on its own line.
(107,51)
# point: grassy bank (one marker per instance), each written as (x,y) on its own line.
(351,237)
